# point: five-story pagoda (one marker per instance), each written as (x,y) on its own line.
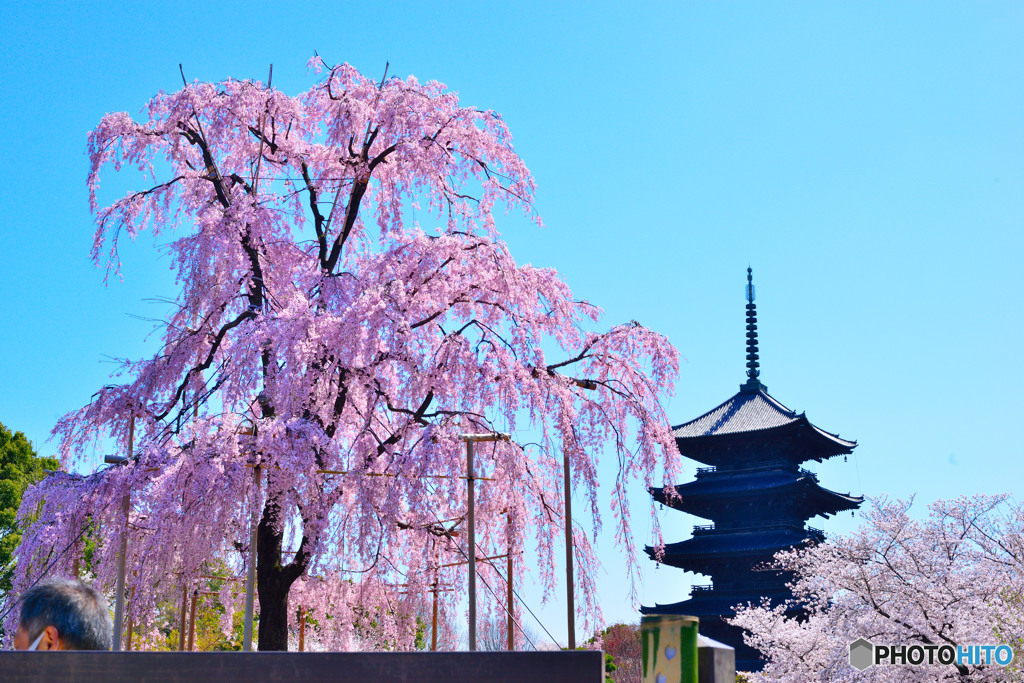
(756,494)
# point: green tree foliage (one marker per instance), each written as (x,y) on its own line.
(20,467)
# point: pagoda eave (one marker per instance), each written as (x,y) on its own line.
(752,542)
(710,604)
(813,443)
(701,497)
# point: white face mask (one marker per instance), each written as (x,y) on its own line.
(35,643)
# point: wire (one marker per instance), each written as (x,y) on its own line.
(493,594)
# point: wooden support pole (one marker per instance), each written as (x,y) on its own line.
(510,597)
(128,635)
(192,623)
(570,589)
(184,616)
(511,606)
(302,629)
(433,622)
(472,546)
(250,578)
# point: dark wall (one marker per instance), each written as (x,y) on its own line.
(375,667)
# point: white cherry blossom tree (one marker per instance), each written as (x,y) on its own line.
(955,578)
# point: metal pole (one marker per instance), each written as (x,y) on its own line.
(472,546)
(122,552)
(250,579)
(570,588)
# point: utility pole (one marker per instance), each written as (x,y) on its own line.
(511,624)
(511,605)
(470,439)
(472,546)
(122,550)
(570,586)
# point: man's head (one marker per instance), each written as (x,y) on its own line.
(62,614)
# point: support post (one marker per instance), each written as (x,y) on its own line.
(302,629)
(128,636)
(511,605)
(184,614)
(192,622)
(570,586)
(122,552)
(433,622)
(250,578)
(472,546)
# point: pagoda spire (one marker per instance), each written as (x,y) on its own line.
(753,384)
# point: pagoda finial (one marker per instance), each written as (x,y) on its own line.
(752,384)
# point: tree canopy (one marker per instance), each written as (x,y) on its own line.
(347,311)
(955,578)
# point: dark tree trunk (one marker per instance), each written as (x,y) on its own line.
(274,581)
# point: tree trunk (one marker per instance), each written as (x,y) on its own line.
(274,581)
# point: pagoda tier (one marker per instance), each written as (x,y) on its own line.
(729,561)
(780,492)
(752,428)
(710,548)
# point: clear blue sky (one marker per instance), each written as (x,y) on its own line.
(867,159)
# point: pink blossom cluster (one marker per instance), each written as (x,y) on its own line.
(955,578)
(325,354)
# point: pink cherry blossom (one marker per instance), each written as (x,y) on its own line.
(325,340)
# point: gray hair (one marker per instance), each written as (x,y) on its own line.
(77,610)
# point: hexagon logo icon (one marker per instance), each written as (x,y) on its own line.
(862,654)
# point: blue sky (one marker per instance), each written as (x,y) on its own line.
(867,159)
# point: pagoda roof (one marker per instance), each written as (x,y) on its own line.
(750,411)
(710,605)
(694,496)
(720,545)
